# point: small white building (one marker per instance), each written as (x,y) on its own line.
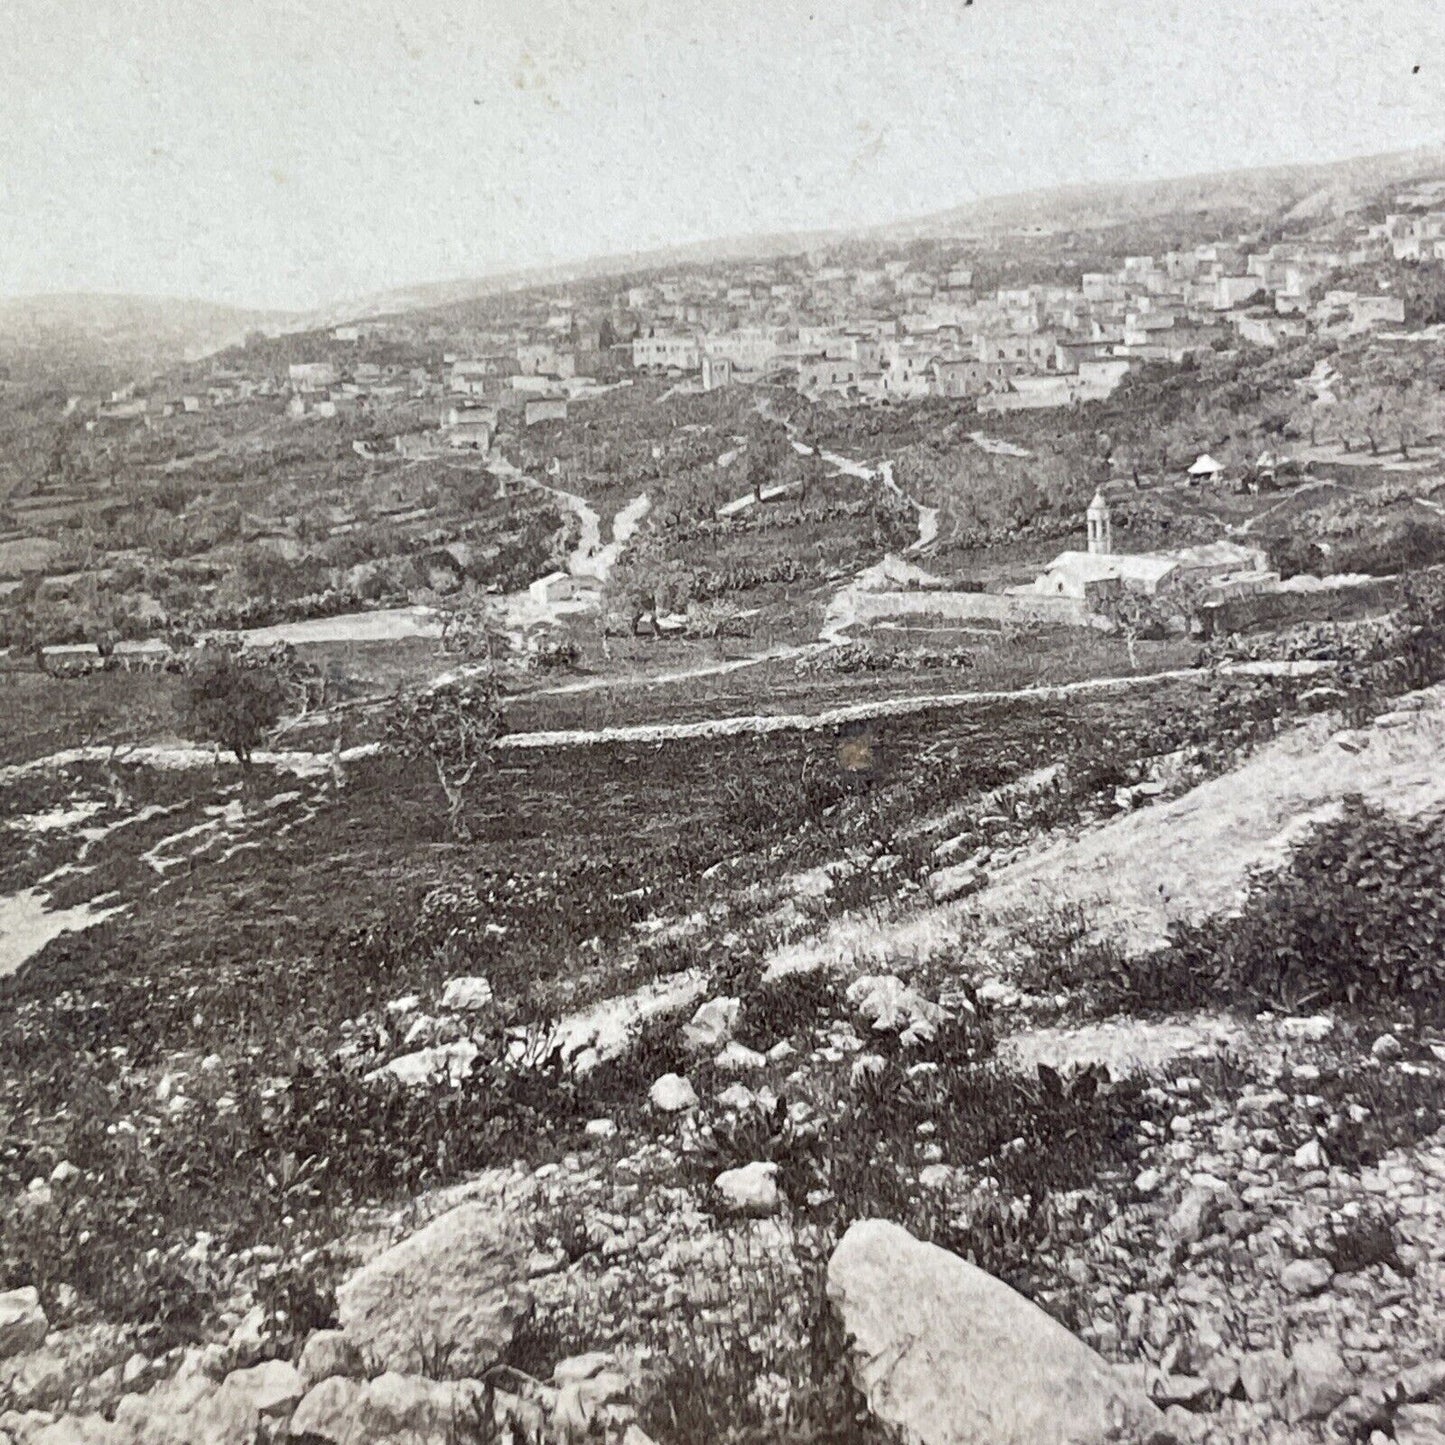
(717,371)
(1205,469)
(1090,574)
(554,587)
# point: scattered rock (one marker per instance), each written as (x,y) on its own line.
(713,1024)
(1420,1425)
(467,994)
(672,1093)
(583,1367)
(329,1411)
(737,1097)
(249,1342)
(956,882)
(1387,1048)
(396,1405)
(1306,1276)
(444,1063)
(1310,1029)
(23,1325)
(1321,1381)
(887,1003)
(271,1390)
(1263,1375)
(1198,1212)
(1148,1181)
(329,1355)
(753,1189)
(738,1059)
(393,1407)
(1180,1389)
(952,1356)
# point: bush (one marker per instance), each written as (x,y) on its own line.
(1354,921)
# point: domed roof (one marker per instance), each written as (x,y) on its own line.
(1099,504)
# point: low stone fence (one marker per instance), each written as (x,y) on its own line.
(976,607)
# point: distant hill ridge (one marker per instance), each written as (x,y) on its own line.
(1330,187)
(138,332)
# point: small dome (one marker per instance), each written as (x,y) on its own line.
(1098,505)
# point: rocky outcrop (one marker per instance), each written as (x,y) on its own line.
(949,1355)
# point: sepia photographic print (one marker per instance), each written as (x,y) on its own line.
(722,723)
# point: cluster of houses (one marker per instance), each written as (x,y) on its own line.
(867,329)
(898,330)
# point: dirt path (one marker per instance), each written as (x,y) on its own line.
(590,557)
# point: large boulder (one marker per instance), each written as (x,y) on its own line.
(950,1355)
(23,1325)
(455,1287)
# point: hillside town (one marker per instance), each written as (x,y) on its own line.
(652,793)
(888,330)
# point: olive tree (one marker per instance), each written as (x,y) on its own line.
(454,727)
(234,700)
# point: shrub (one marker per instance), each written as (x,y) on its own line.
(1355,921)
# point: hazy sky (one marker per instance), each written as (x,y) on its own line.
(295,152)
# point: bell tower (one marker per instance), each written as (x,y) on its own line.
(1101,536)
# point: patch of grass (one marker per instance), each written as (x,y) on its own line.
(1021,1144)
(1371,1111)
(788,1008)
(729,1384)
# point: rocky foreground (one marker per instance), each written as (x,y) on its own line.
(893,1184)
(1243,1286)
